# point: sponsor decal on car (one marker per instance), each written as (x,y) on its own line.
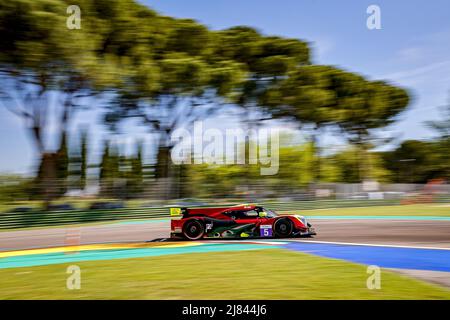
(265,230)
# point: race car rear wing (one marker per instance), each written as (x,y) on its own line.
(177,212)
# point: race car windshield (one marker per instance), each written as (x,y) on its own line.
(270,213)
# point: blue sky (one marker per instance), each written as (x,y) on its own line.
(412,50)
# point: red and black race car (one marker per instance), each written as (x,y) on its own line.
(242,221)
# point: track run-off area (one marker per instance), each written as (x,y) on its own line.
(415,245)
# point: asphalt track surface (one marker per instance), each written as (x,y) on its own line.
(415,246)
(417,233)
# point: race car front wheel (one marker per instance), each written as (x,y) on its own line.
(283,227)
(193,230)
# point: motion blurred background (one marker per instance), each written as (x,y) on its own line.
(92,93)
(87,114)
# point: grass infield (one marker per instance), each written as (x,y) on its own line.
(436,210)
(258,274)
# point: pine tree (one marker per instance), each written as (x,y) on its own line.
(62,166)
(83,164)
(104,165)
(137,171)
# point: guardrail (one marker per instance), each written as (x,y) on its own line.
(53,218)
(43,219)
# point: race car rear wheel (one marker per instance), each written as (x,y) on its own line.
(283,227)
(193,230)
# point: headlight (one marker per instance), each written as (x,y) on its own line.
(302,220)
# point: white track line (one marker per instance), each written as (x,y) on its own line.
(369,244)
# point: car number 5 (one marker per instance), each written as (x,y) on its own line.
(265,230)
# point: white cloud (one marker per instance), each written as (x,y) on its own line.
(420,72)
(321,47)
(411,54)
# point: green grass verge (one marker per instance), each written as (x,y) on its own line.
(258,274)
(440,210)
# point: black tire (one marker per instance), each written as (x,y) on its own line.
(193,230)
(283,227)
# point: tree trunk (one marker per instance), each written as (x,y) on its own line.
(52,173)
(47,177)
